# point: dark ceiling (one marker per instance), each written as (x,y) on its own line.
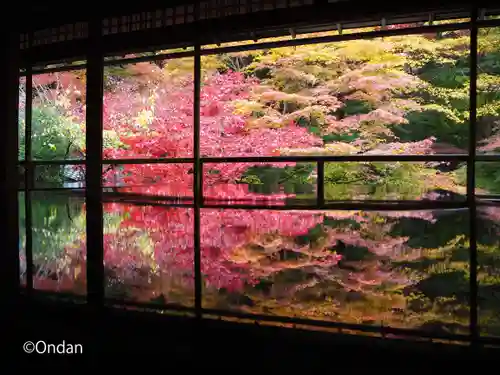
(38,13)
(43,14)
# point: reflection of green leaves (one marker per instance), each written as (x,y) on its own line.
(313,235)
(57,222)
(112,221)
(160,300)
(350,180)
(425,234)
(271,180)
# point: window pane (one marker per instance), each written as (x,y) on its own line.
(395,181)
(259,183)
(166,180)
(148,109)
(21,178)
(488,272)
(400,269)
(149,253)
(395,95)
(58,116)
(21,118)
(488,91)
(22,239)
(488,178)
(68,176)
(58,238)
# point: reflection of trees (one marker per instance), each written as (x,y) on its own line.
(348,266)
(489,269)
(378,278)
(58,224)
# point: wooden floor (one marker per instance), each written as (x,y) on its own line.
(120,339)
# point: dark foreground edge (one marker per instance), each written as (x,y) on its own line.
(148,342)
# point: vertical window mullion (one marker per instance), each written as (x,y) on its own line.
(9,181)
(93,164)
(471,178)
(320,184)
(28,178)
(198,177)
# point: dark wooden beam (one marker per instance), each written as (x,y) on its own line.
(9,230)
(51,14)
(238,27)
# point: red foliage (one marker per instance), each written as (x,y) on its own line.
(225,234)
(170,134)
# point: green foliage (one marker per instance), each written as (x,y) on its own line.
(346,181)
(489,55)
(288,180)
(487,176)
(421,50)
(54,136)
(456,100)
(440,122)
(341,137)
(21,145)
(450,75)
(356,107)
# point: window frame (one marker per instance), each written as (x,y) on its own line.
(94,162)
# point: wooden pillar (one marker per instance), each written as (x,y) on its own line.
(9,230)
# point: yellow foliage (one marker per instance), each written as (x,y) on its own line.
(278,96)
(314,112)
(247,107)
(211,63)
(363,50)
(323,73)
(341,148)
(336,148)
(177,68)
(272,122)
(144,117)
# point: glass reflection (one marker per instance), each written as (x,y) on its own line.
(149,253)
(488,272)
(401,269)
(57,234)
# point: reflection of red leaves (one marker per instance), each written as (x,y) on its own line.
(224,233)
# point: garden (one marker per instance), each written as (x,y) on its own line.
(401,95)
